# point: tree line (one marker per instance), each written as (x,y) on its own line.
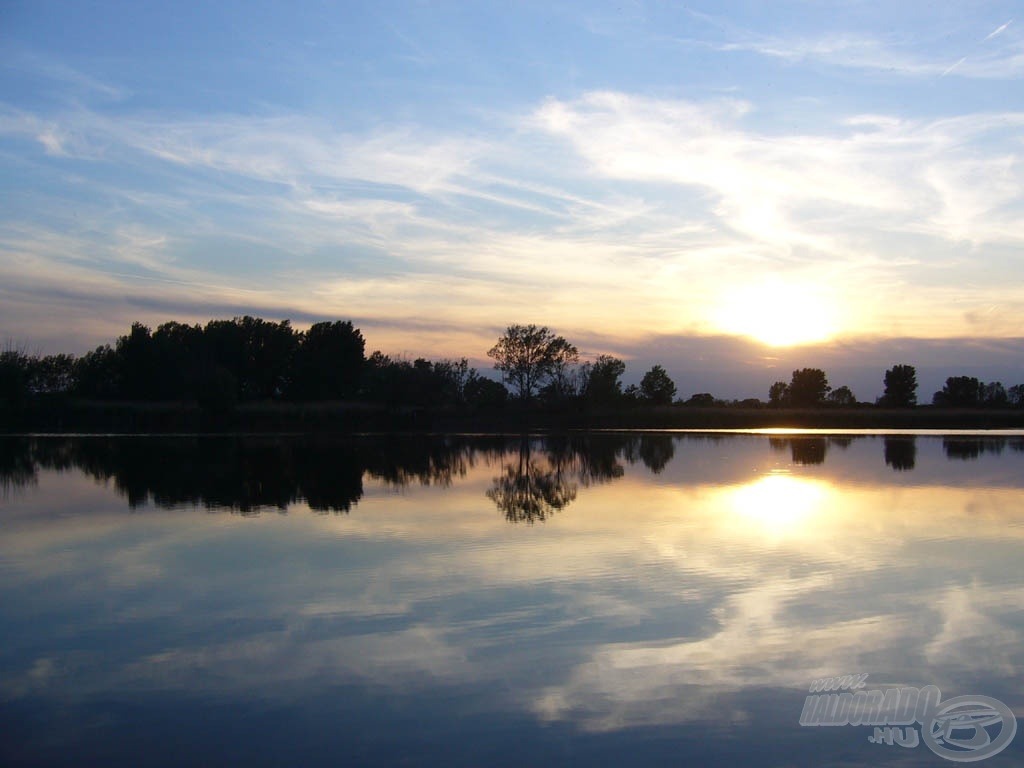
(244,359)
(249,359)
(809,387)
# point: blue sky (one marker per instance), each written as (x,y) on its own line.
(774,184)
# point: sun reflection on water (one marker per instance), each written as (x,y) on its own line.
(778,502)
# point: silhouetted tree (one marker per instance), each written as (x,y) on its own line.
(656,387)
(15,375)
(178,353)
(52,374)
(329,362)
(959,392)
(139,376)
(420,382)
(842,396)
(98,373)
(994,395)
(808,387)
(900,387)
(778,394)
(482,392)
(602,385)
(223,348)
(529,356)
(1015,395)
(454,375)
(701,400)
(268,349)
(563,380)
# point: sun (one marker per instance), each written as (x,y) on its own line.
(777,313)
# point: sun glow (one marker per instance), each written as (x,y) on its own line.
(778,502)
(777,313)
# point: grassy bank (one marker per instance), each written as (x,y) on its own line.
(67,415)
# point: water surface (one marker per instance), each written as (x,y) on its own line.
(618,599)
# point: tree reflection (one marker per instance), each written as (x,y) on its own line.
(544,476)
(400,462)
(245,475)
(533,488)
(17,467)
(248,475)
(802,449)
(966,449)
(901,453)
(656,451)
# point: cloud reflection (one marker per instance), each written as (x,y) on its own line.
(653,599)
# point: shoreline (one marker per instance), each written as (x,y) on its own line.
(70,416)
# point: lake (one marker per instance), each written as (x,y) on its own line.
(593,599)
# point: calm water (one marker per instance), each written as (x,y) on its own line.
(626,599)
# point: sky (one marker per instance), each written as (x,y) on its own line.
(730,189)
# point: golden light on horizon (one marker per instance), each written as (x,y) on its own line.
(778,313)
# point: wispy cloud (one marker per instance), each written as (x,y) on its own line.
(998,30)
(899,57)
(32,63)
(764,184)
(612,213)
(952,67)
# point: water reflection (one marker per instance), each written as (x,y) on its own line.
(968,448)
(778,502)
(538,475)
(901,453)
(680,596)
(655,451)
(527,491)
(804,449)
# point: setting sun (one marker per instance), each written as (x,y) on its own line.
(778,314)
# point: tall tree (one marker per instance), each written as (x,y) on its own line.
(808,387)
(15,375)
(656,387)
(994,395)
(178,350)
(562,379)
(960,392)
(1015,395)
(139,373)
(528,356)
(900,387)
(842,396)
(98,373)
(268,349)
(778,394)
(329,361)
(602,385)
(53,373)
